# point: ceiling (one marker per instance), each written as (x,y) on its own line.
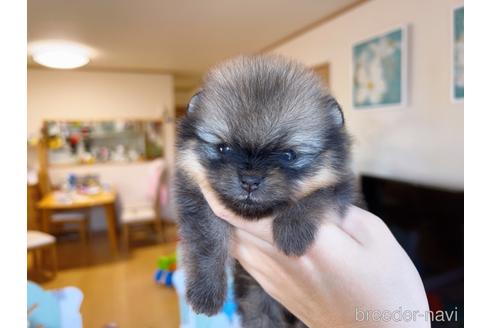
(183,37)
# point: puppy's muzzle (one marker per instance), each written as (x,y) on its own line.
(250,182)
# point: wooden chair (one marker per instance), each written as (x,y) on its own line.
(38,244)
(61,221)
(144,214)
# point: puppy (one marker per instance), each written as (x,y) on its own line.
(269,140)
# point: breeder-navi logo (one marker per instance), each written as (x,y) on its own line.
(401,315)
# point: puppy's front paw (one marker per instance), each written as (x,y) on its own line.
(205,297)
(293,235)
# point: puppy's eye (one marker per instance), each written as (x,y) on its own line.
(288,156)
(224,148)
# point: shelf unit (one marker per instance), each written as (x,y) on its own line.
(82,142)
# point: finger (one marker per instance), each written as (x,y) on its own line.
(332,243)
(252,243)
(252,252)
(264,262)
(262,228)
(245,250)
(362,225)
(219,209)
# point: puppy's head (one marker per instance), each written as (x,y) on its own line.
(264,132)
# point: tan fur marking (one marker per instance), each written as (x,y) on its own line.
(188,161)
(324,178)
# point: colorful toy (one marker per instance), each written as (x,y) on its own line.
(164,277)
(166,267)
(167,262)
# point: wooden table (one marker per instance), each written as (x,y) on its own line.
(49,204)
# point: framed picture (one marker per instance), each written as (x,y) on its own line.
(458,86)
(379,70)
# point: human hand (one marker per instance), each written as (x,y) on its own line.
(352,270)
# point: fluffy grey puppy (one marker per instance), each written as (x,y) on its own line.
(268,138)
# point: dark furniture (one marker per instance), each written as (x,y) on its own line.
(428,223)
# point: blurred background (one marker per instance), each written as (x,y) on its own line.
(107,81)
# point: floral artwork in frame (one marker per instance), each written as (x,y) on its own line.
(458,53)
(379,70)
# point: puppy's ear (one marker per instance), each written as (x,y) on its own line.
(193,104)
(335,112)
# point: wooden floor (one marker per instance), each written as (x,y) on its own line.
(118,291)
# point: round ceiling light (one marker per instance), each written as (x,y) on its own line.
(60,55)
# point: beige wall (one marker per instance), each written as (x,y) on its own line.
(54,94)
(422,142)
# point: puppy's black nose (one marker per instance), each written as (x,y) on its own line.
(250,182)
